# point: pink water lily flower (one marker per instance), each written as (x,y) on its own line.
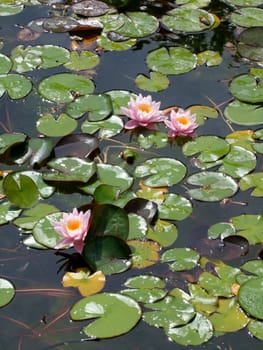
(73,227)
(181,123)
(143,112)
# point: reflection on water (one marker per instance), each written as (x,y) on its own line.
(39,320)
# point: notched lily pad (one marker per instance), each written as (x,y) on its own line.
(16,86)
(250,44)
(7,292)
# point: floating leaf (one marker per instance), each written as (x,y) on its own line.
(175,60)
(180,258)
(216,286)
(8,212)
(174,207)
(5,64)
(238,162)
(144,282)
(7,292)
(247,88)
(44,232)
(59,24)
(156,82)
(197,332)
(149,138)
(30,216)
(119,99)
(215,186)
(256,329)
(84,60)
(163,233)
(249,226)
(98,106)
(242,138)
(86,283)
(115,176)
(210,58)
(202,113)
(188,20)
(138,227)
(107,128)
(70,169)
(15,85)
(50,126)
(10,9)
(21,190)
(90,8)
(161,171)
(202,301)
(253,180)
(169,312)
(247,17)
(243,113)
(250,43)
(221,229)
(144,254)
(61,88)
(115,314)
(9,140)
(255,267)
(211,148)
(250,297)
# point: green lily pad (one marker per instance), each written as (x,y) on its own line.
(7,292)
(211,148)
(174,207)
(30,216)
(161,172)
(138,226)
(21,190)
(256,329)
(202,301)
(250,44)
(249,226)
(8,212)
(5,64)
(106,194)
(175,60)
(180,259)
(193,3)
(107,44)
(245,2)
(108,254)
(215,186)
(169,312)
(10,9)
(253,181)
(114,175)
(137,25)
(61,88)
(82,61)
(164,233)
(242,138)
(70,169)
(247,88)
(107,128)
(44,233)
(145,282)
(221,229)
(60,126)
(202,113)
(15,85)
(228,316)
(98,106)
(115,314)
(250,297)
(210,58)
(156,82)
(238,162)
(188,20)
(119,99)
(42,56)
(145,295)
(9,140)
(197,332)
(216,286)
(247,17)
(243,113)
(149,138)
(144,253)
(255,267)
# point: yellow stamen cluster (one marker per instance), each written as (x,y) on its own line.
(143,107)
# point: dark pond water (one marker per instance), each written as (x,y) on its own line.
(38,320)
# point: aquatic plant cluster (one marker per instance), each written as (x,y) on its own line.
(111,149)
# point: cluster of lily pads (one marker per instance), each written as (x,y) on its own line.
(132,184)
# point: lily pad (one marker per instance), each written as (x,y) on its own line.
(5,64)
(10,9)
(256,329)
(244,113)
(84,60)
(161,171)
(44,232)
(250,44)
(197,332)
(70,169)
(215,186)
(60,126)
(253,181)
(248,17)
(210,58)
(107,128)
(9,140)
(188,20)
(144,253)
(249,226)
(174,207)
(17,86)
(149,138)
(8,212)
(250,297)
(156,82)
(247,88)
(115,314)
(61,88)
(164,233)
(98,106)
(114,175)
(7,292)
(175,60)
(180,259)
